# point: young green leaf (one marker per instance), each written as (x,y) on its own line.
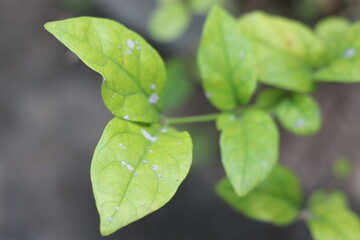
(331,30)
(178,88)
(343,60)
(225,119)
(342,167)
(249,149)
(277,199)
(202,6)
(269,98)
(226,62)
(134,73)
(169,21)
(285,50)
(284,35)
(136,169)
(330,218)
(299,114)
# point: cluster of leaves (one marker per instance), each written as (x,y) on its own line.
(140,160)
(170,19)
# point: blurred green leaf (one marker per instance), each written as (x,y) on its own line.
(277,199)
(206,147)
(225,119)
(343,58)
(203,6)
(136,169)
(226,62)
(299,114)
(269,98)
(169,21)
(331,30)
(249,149)
(285,50)
(342,167)
(178,88)
(330,218)
(134,73)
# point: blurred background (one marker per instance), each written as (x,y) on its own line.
(52,116)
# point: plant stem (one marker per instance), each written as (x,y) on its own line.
(193,119)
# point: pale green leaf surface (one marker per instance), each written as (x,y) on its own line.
(225,119)
(226,62)
(342,167)
(202,6)
(331,219)
(249,149)
(285,50)
(282,70)
(269,98)
(178,88)
(284,35)
(343,59)
(169,21)
(128,64)
(277,199)
(330,30)
(299,114)
(136,169)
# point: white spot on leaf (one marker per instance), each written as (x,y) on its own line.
(144,162)
(117,208)
(122,146)
(163,130)
(349,53)
(128,51)
(130,43)
(154,167)
(123,163)
(208,95)
(300,123)
(154,98)
(232,118)
(130,167)
(153,86)
(110,219)
(242,55)
(126,117)
(148,136)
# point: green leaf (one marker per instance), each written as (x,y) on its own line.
(330,218)
(134,73)
(178,88)
(343,58)
(269,98)
(342,167)
(299,114)
(226,62)
(249,149)
(169,21)
(225,119)
(136,169)
(277,199)
(330,30)
(202,6)
(285,50)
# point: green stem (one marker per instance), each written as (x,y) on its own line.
(193,119)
